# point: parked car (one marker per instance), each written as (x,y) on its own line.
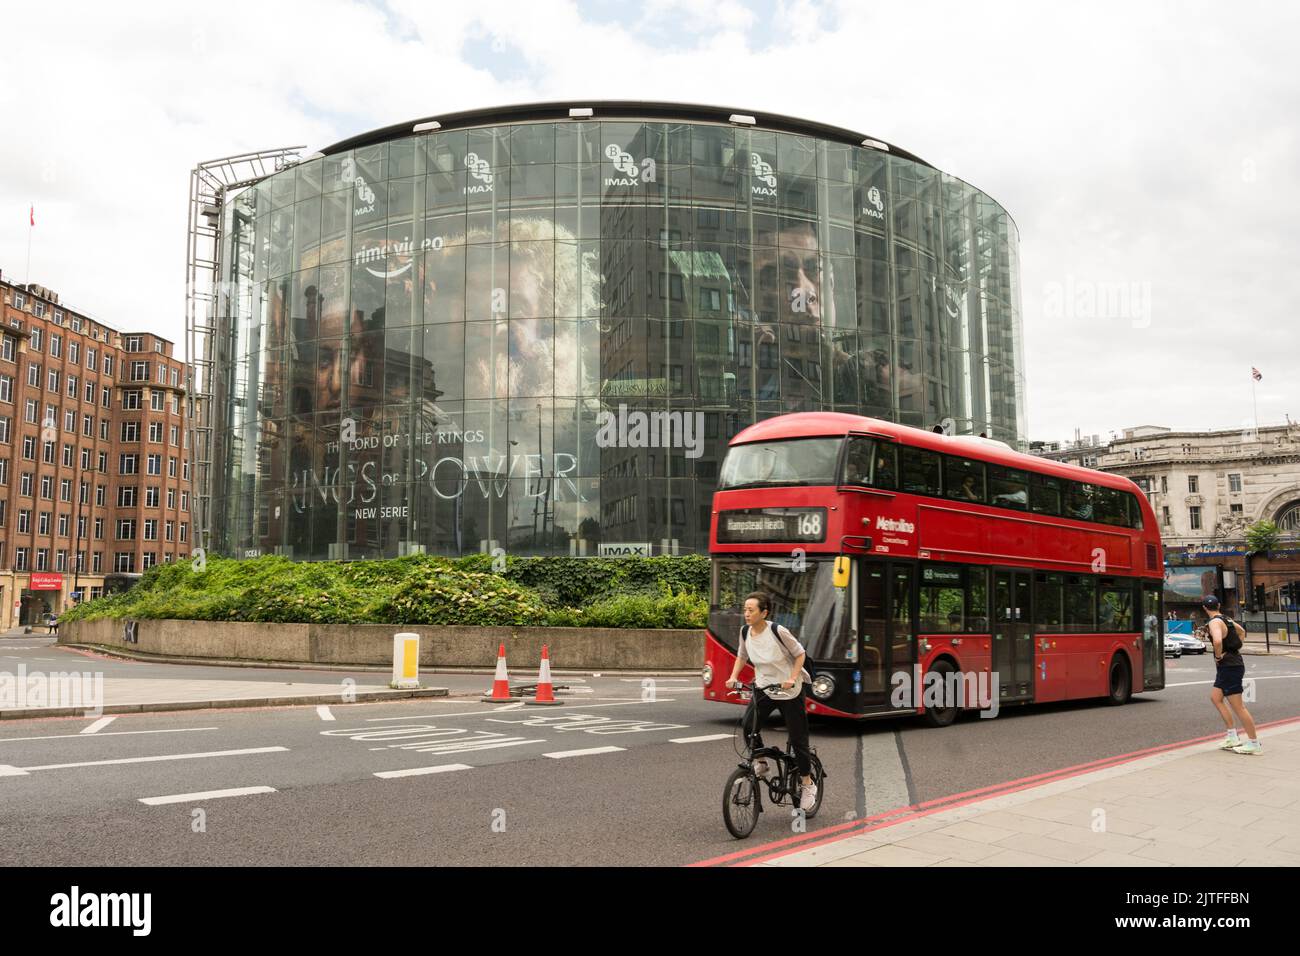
(1172,647)
(1189,644)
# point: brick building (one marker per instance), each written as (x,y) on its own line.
(95,479)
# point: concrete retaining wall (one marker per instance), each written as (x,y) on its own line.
(571,648)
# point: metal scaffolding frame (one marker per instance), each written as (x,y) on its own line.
(210,184)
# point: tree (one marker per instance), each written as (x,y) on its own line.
(1262,537)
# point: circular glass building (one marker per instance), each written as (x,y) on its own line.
(536,328)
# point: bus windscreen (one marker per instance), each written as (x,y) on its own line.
(799,461)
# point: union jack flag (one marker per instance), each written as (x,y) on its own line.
(1255,373)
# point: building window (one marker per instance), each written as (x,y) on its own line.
(43,524)
(96,565)
(1236,509)
(174,435)
(128,464)
(100,492)
(139,371)
(47,487)
(1193,484)
(126,496)
(30,410)
(6,389)
(131,398)
(65,489)
(56,346)
(25,484)
(34,375)
(103,429)
(154,465)
(108,365)
(1194,517)
(29,447)
(4,429)
(169,527)
(52,382)
(1234,484)
(156,432)
(92,360)
(24,521)
(7,348)
(42,559)
(133,343)
(1164,516)
(20,559)
(67,456)
(106,394)
(72,386)
(156,400)
(99,529)
(171,466)
(63,526)
(88,425)
(171,499)
(88,395)
(102,463)
(74,352)
(130,431)
(4,472)
(151,496)
(125,529)
(124,562)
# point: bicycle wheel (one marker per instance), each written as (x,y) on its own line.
(819,778)
(740,803)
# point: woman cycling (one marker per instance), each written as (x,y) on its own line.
(778,659)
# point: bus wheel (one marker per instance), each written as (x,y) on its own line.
(1121,683)
(941,716)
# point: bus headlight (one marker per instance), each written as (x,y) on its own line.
(707,674)
(823,686)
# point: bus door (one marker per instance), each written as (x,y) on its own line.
(1013,635)
(886,632)
(1153,650)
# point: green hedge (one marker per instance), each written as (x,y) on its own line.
(662,592)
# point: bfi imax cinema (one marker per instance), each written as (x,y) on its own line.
(536,328)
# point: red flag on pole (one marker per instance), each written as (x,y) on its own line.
(33,214)
(1255,374)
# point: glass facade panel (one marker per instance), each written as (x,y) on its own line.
(543,334)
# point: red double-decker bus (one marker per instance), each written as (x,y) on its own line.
(908,561)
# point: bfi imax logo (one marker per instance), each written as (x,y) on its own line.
(651,430)
(365,195)
(765,180)
(629,173)
(481,170)
(875,207)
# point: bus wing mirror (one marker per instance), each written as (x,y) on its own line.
(842,566)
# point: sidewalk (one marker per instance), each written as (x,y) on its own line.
(1193,805)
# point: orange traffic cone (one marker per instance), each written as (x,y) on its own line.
(545,695)
(501,683)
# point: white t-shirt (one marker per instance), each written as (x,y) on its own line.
(773,652)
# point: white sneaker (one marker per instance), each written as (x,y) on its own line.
(1230,741)
(1249,747)
(809,798)
(763,768)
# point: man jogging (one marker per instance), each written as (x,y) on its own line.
(1230,669)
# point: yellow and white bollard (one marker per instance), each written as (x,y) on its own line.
(406,661)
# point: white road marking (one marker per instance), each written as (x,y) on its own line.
(658,680)
(478,713)
(1193,683)
(7,771)
(559,754)
(699,740)
(111,733)
(204,795)
(161,757)
(419,771)
(99,725)
(324,713)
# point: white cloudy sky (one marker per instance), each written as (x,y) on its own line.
(1148,151)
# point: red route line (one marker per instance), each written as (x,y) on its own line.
(951,802)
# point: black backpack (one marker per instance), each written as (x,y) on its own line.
(808,662)
(1231,641)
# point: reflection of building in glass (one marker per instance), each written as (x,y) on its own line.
(425,332)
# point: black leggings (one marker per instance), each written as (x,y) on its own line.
(796,724)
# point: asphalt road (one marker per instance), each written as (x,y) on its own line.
(644,787)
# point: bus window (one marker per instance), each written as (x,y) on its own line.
(1134,511)
(1079,501)
(965,479)
(920,471)
(943,599)
(858,461)
(885,469)
(1080,604)
(1111,508)
(1045,495)
(1049,602)
(977,600)
(1008,488)
(1114,606)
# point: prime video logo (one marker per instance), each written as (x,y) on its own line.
(82,690)
(651,430)
(74,909)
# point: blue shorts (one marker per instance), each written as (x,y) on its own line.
(1228,679)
